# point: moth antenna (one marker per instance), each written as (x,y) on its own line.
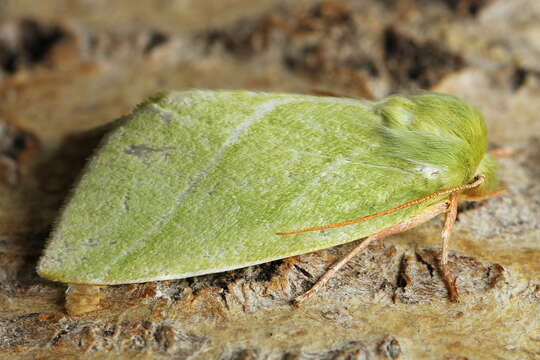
(477,182)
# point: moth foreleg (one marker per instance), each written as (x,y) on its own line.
(449,222)
(421,218)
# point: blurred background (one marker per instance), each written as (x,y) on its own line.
(67,66)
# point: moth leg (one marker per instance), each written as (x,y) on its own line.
(502,153)
(421,218)
(449,222)
(475,197)
(81,299)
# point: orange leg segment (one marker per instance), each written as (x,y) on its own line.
(449,222)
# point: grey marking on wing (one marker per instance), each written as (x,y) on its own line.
(164,114)
(379,166)
(143,151)
(347,160)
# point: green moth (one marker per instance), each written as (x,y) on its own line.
(201,182)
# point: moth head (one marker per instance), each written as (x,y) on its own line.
(488,168)
(439,130)
(433,113)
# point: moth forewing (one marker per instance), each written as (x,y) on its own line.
(199,182)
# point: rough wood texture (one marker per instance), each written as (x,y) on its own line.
(67,66)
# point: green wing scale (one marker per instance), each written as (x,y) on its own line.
(200,181)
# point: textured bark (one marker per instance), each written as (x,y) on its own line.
(69,66)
